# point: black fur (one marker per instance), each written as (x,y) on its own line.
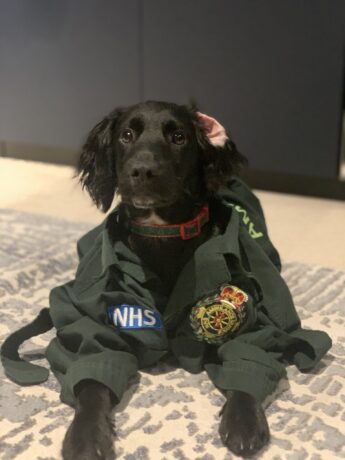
(97,162)
(159,159)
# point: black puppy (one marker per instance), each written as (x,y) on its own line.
(165,161)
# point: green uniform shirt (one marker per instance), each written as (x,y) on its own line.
(114,317)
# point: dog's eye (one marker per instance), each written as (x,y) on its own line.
(178,137)
(127,136)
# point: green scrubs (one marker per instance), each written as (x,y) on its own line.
(114,317)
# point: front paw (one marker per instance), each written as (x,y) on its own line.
(89,439)
(243,428)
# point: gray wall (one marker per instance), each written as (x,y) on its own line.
(64,64)
(271,71)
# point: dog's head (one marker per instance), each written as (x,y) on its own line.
(154,153)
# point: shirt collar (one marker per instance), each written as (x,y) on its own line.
(203,272)
(115,251)
(206,271)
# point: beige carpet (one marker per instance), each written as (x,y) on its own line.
(171,414)
(304,229)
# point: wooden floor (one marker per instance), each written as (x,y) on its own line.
(303,229)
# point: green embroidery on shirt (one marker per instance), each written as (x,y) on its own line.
(246,220)
(253,233)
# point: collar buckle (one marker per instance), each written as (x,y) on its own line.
(193,225)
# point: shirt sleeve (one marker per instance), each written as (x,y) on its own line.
(86,350)
(247,360)
(255,361)
(246,367)
(87,345)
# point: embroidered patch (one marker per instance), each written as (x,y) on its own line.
(217,317)
(134,317)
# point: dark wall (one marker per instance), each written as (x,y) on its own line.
(64,64)
(271,71)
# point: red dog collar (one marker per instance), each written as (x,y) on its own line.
(186,231)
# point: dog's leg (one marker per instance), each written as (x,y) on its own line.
(91,433)
(243,428)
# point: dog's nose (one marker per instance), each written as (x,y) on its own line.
(143,172)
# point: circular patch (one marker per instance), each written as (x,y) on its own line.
(215,318)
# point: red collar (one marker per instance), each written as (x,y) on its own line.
(186,231)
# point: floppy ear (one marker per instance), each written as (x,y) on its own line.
(96,166)
(220,157)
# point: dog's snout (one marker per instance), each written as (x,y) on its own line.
(143,172)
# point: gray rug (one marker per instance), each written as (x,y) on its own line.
(170,414)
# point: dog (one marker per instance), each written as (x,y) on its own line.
(160,160)
(183,265)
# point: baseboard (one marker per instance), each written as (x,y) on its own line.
(262,180)
(295,184)
(43,153)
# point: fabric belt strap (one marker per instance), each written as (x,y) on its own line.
(16,368)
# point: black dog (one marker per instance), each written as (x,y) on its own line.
(162,160)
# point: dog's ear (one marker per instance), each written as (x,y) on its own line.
(220,156)
(96,166)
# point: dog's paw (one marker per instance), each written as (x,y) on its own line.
(243,428)
(89,439)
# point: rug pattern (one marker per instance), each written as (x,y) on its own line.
(167,413)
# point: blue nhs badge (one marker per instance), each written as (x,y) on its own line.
(134,317)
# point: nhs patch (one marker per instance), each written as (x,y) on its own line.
(133,317)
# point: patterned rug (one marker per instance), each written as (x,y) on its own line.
(171,414)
